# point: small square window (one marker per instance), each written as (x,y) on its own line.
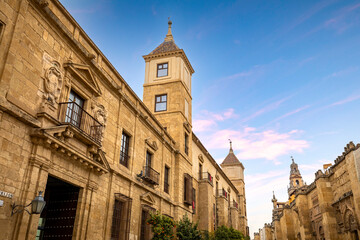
(160,103)
(162,70)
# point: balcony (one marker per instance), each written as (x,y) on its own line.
(234,204)
(150,175)
(206,176)
(222,193)
(73,114)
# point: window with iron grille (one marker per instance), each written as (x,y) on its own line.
(116,220)
(160,103)
(162,69)
(124,152)
(166,179)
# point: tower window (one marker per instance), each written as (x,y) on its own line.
(162,70)
(160,103)
(186,144)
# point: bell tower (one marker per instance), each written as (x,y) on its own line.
(296,180)
(167,90)
(234,169)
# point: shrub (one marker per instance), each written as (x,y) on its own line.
(162,226)
(186,230)
(225,233)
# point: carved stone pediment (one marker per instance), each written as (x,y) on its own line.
(84,73)
(59,139)
(148,198)
(151,144)
(201,158)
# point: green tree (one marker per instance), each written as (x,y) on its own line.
(225,233)
(162,226)
(186,230)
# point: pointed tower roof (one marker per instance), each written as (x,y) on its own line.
(231,159)
(168,47)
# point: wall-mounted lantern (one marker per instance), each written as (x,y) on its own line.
(37,205)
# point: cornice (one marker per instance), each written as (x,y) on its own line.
(179,52)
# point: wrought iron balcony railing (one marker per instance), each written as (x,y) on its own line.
(150,175)
(206,176)
(73,114)
(234,204)
(222,193)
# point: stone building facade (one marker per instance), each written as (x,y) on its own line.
(72,127)
(328,208)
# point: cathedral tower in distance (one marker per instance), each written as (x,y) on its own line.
(296,180)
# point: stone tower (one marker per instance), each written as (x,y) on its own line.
(167,90)
(296,180)
(167,94)
(234,169)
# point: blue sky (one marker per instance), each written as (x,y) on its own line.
(280,78)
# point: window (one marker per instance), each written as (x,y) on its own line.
(166,179)
(2,26)
(116,220)
(186,144)
(188,189)
(148,159)
(120,226)
(124,152)
(160,103)
(200,171)
(162,70)
(74,109)
(194,200)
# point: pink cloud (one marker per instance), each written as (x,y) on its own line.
(252,144)
(210,119)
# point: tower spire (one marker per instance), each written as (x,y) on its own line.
(169,36)
(231,150)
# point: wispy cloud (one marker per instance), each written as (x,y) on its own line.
(346,100)
(270,107)
(210,119)
(310,13)
(292,113)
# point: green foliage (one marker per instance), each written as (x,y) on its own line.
(162,226)
(186,230)
(225,233)
(206,235)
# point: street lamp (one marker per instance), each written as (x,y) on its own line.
(37,205)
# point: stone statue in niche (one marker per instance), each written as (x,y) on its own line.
(52,82)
